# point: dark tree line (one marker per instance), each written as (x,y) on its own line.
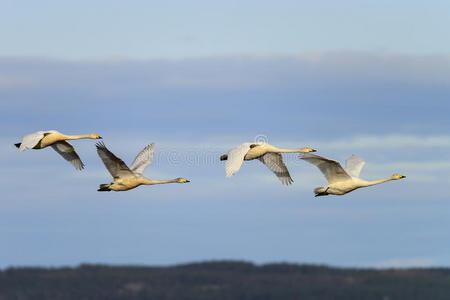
(223,280)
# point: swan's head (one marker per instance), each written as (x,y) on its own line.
(95,136)
(398,176)
(182,180)
(307,150)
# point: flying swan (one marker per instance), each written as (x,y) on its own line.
(57,140)
(128,178)
(267,154)
(342,181)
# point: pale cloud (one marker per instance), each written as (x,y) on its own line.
(389,141)
(416,262)
(416,166)
(334,70)
(11,81)
(377,142)
(205,152)
(350,143)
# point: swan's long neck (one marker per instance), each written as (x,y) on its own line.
(151,182)
(375,182)
(79,136)
(282,150)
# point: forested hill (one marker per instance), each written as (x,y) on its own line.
(223,280)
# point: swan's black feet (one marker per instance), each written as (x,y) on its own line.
(324,193)
(321,194)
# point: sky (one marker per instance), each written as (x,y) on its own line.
(370,78)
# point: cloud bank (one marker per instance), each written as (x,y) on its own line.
(392,110)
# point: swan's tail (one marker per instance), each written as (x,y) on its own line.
(104,187)
(318,190)
(321,191)
(18,145)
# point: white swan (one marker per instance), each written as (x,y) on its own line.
(57,141)
(267,154)
(342,181)
(128,178)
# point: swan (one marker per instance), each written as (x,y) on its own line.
(342,181)
(127,178)
(57,140)
(267,154)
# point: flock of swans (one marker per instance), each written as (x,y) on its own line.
(340,180)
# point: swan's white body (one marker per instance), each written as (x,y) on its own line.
(57,140)
(342,181)
(127,178)
(267,154)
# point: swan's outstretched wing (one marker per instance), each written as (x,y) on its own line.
(331,169)
(31,140)
(353,165)
(66,150)
(274,161)
(143,159)
(115,165)
(235,158)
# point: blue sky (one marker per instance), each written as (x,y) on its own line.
(369,79)
(178,29)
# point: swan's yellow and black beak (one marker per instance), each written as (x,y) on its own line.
(403,176)
(311,149)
